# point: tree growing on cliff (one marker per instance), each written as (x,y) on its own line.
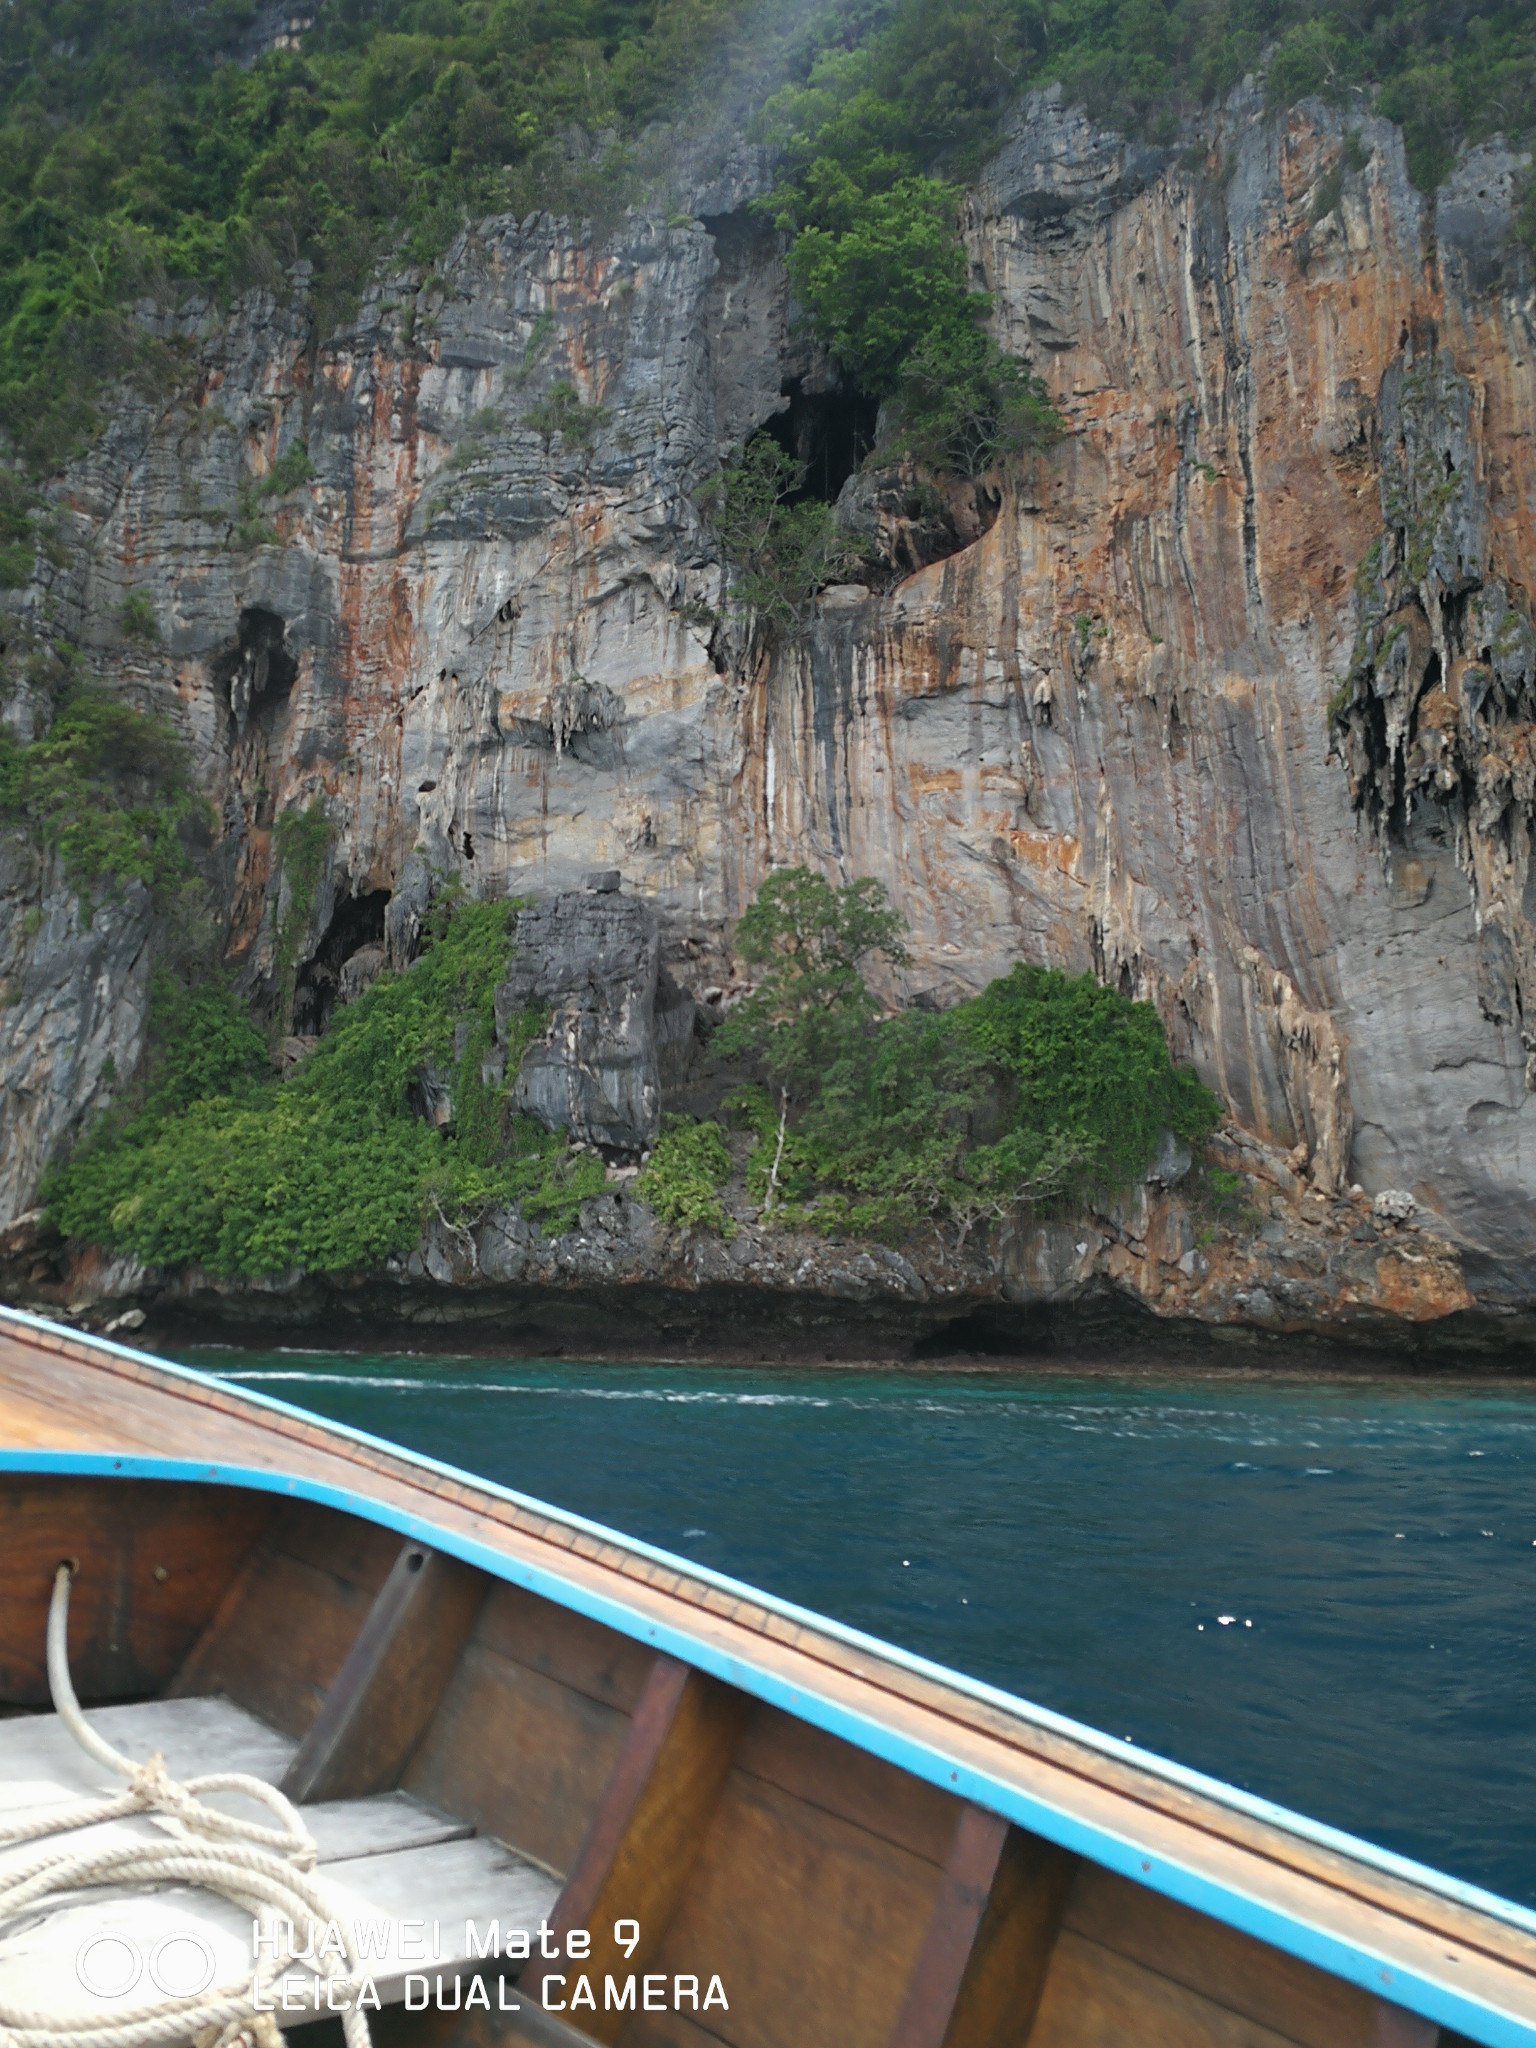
(810,941)
(878,266)
(881,272)
(965,406)
(1045,1087)
(783,548)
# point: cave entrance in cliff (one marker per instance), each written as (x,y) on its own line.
(260,669)
(356,926)
(831,432)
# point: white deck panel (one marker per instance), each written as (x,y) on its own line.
(411,1879)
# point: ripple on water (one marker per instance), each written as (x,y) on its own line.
(1160,1561)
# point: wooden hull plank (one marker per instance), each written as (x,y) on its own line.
(391,1680)
(148,1584)
(1230,1968)
(1357,1913)
(811,1922)
(523,1757)
(646,1834)
(281,1635)
(875,1795)
(1094,1998)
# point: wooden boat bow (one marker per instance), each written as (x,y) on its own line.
(1023,1879)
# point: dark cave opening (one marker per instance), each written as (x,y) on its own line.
(1400,808)
(830,432)
(999,1330)
(742,241)
(357,922)
(260,669)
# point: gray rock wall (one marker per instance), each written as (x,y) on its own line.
(72,1025)
(1102,734)
(589,960)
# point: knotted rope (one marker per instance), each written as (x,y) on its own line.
(265,1871)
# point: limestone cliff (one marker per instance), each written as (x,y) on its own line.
(1229,699)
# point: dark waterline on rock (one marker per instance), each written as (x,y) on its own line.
(1322,1593)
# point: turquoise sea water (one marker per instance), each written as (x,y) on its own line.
(1325,1593)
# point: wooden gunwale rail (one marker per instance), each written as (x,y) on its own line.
(75,1403)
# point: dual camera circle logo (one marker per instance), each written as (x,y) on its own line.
(180,1965)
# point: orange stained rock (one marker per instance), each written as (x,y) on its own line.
(1419,1288)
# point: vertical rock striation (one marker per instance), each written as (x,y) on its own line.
(1232,701)
(589,962)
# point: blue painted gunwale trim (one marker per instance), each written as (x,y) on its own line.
(1432,1997)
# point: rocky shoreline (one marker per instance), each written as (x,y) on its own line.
(1335,1282)
(1276,1257)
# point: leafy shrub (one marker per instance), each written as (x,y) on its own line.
(1085,1058)
(1224,1199)
(550,1181)
(784,549)
(202,1042)
(1426,103)
(302,840)
(474,444)
(562,412)
(965,406)
(1043,1088)
(905,1129)
(332,1168)
(18,546)
(688,1166)
(289,473)
(16,560)
(136,616)
(1311,57)
(249,527)
(108,789)
(781,1166)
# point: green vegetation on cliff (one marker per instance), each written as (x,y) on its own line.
(1042,1089)
(148,147)
(107,788)
(335,1167)
(875,142)
(689,1164)
(785,547)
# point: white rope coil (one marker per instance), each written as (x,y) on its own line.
(268,1872)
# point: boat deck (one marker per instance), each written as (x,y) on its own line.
(1425,1957)
(382,1857)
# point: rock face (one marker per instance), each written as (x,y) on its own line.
(590,960)
(73,1022)
(1231,701)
